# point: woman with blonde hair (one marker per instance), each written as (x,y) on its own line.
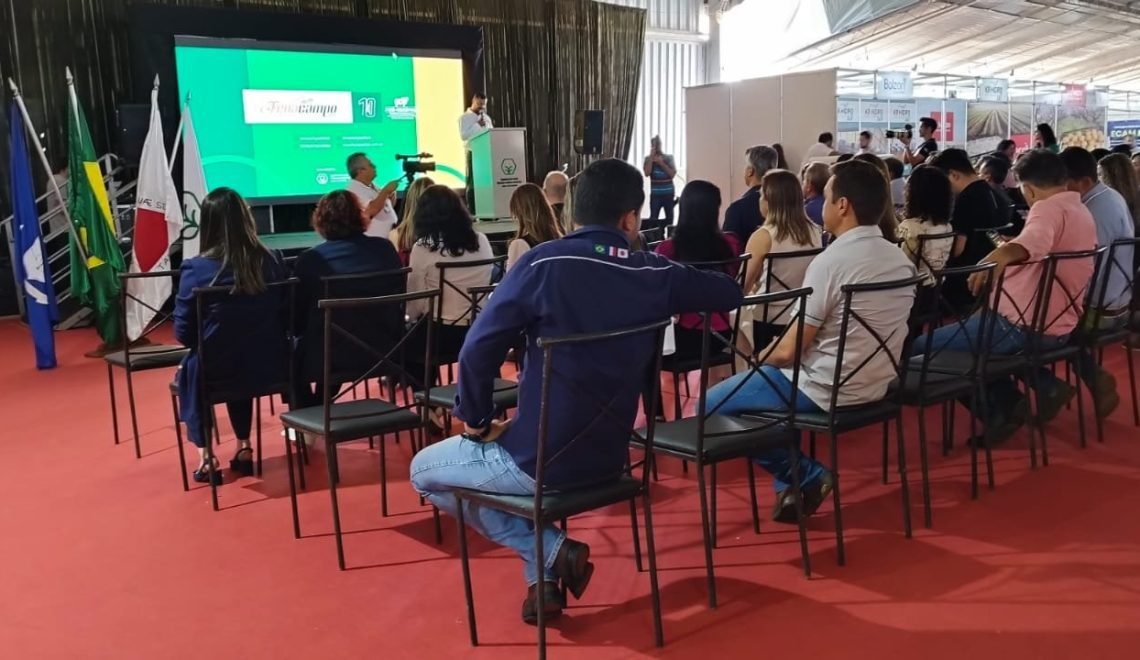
(786,228)
(1116,172)
(535,219)
(404,235)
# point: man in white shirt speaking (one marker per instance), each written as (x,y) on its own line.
(377,203)
(473,123)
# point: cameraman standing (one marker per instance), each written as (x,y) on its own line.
(926,128)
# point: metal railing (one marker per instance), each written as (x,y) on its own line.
(59,257)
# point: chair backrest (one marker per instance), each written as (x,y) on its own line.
(1118,265)
(449,289)
(1065,297)
(250,351)
(928,244)
(943,314)
(795,298)
(478,296)
(778,276)
(376,327)
(740,264)
(161,313)
(891,344)
(652,235)
(378,358)
(635,381)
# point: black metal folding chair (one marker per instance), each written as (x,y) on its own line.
(220,302)
(135,358)
(357,346)
(546,507)
(836,419)
(505,393)
(1107,321)
(777,266)
(450,291)
(925,386)
(710,438)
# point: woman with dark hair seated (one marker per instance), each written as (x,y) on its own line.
(245,334)
(347,250)
(445,233)
(696,239)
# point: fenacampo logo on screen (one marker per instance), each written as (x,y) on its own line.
(271,106)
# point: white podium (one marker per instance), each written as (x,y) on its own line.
(498,166)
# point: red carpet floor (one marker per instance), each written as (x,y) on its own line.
(104,556)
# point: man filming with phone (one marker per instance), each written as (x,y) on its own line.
(378,203)
(926,128)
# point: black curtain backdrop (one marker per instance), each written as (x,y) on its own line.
(541,60)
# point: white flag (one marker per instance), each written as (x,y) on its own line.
(193,185)
(158,222)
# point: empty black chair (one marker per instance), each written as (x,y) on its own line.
(236,369)
(138,354)
(710,438)
(548,507)
(358,348)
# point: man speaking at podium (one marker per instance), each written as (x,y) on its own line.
(473,123)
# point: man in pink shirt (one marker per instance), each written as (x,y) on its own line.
(1057,222)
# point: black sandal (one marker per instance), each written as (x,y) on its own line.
(243,466)
(202,474)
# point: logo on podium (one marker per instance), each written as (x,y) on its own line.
(509,166)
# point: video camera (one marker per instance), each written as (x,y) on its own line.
(906,134)
(416,164)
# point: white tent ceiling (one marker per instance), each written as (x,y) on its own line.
(1064,41)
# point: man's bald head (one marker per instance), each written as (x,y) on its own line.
(555,185)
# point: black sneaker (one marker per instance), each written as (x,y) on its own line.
(1050,405)
(552,602)
(1001,427)
(1105,398)
(814,496)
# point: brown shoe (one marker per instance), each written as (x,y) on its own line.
(573,567)
(552,603)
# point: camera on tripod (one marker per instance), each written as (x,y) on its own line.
(416,164)
(905,134)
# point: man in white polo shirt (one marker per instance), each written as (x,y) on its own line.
(854,200)
(377,202)
(472,123)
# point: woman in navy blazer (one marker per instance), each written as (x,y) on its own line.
(244,333)
(347,250)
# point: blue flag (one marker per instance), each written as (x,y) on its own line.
(32,273)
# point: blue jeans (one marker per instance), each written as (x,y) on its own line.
(757,395)
(460,463)
(1006,339)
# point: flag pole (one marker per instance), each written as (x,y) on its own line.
(178,133)
(31,131)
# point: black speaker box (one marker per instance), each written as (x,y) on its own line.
(589,127)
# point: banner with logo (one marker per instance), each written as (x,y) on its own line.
(1122,128)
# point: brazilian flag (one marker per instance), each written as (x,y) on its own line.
(95,268)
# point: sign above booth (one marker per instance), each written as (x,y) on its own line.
(995,90)
(893,85)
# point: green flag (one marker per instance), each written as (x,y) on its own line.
(95,268)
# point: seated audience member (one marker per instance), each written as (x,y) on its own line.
(554,187)
(898,184)
(445,234)
(404,235)
(865,143)
(815,177)
(1116,173)
(786,228)
(821,149)
(843,158)
(1125,149)
(347,250)
(927,211)
(1136,163)
(976,208)
(254,324)
(857,255)
(535,220)
(698,238)
(743,216)
(995,169)
(781,160)
(1101,152)
(1113,222)
(588,282)
(1057,222)
(889,222)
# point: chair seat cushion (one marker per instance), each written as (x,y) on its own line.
(725,437)
(938,387)
(961,364)
(352,420)
(505,395)
(152,356)
(558,505)
(673,364)
(849,417)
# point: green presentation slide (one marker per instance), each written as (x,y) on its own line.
(278,121)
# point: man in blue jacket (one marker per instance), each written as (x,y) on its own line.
(590,281)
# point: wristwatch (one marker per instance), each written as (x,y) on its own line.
(476,437)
